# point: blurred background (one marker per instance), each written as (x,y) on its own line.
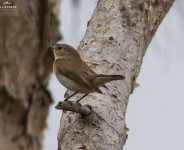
(156,108)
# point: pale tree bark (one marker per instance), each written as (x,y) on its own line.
(115,42)
(25,66)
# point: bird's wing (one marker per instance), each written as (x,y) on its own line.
(83,75)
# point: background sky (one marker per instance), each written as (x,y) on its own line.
(155,114)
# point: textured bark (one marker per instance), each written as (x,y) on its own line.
(25,66)
(74,107)
(115,42)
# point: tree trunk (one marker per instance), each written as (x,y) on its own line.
(25,66)
(115,42)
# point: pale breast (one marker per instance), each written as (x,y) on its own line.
(69,84)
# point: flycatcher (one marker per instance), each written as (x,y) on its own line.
(74,74)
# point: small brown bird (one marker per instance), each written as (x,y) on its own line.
(74,74)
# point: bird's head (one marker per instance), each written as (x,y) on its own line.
(61,50)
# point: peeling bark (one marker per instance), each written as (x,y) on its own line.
(115,42)
(25,66)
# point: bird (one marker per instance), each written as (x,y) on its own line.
(73,73)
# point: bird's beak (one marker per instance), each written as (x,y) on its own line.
(51,46)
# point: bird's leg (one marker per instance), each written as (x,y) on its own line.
(70,96)
(81,98)
(105,86)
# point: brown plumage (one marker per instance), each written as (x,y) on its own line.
(74,73)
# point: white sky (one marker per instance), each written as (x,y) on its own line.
(156,107)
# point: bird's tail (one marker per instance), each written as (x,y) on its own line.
(101,79)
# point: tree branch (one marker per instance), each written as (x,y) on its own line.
(85,110)
(115,42)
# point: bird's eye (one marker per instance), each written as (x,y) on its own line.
(59,48)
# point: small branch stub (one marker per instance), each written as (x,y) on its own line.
(74,107)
